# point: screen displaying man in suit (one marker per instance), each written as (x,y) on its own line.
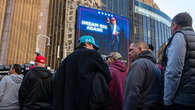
(115,31)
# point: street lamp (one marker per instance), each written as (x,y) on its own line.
(39,36)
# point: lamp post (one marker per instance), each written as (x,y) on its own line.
(39,45)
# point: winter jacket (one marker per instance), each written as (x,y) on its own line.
(143,83)
(36,90)
(118,72)
(9,87)
(75,81)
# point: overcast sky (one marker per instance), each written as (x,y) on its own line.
(172,7)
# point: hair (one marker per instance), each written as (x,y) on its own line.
(141,44)
(150,46)
(17,68)
(83,45)
(182,19)
(115,56)
(38,64)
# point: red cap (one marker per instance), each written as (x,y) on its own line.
(113,19)
(40,59)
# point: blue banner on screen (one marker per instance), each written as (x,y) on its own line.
(111,31)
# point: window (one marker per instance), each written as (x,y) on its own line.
(159,34)
(156,36)
(153,40)
(145,28)
(110,5)
(162,33)
(166,33)
(121,11)
(115,8)
(149,30)
(152,31)
(141,27)
(169,32)
(126,7)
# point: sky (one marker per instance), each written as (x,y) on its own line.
(173,7)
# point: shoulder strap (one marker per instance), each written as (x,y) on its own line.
(164,59)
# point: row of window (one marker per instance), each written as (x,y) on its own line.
(151,31)
(119,7)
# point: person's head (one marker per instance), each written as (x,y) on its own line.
(40,61)
(113,20)
(88,42)
(113,56)
(136,48)
(151,48)
(181,20)
(15,69)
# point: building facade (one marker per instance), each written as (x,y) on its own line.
(21,21)
(151,25)
(150,3)
(120,7)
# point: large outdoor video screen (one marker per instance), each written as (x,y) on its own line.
(111,31)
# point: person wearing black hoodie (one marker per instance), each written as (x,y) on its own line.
(81,82)
(35,92)
(143,82)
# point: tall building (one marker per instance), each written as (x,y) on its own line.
(151,24)
(120,7)
(21,22)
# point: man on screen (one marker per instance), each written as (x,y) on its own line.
(115,31)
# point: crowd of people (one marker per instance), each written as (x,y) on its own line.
(86,81)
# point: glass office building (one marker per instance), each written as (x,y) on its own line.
(120,7)
(151,25)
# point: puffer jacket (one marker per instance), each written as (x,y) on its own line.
(36,90)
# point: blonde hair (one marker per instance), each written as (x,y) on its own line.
(115,55)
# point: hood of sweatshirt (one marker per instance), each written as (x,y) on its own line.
(16,78)
(148,55)
(119,65)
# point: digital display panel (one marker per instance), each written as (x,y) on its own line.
(110,31)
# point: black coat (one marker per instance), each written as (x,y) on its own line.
(143,83)
(36,90)
(75,79)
